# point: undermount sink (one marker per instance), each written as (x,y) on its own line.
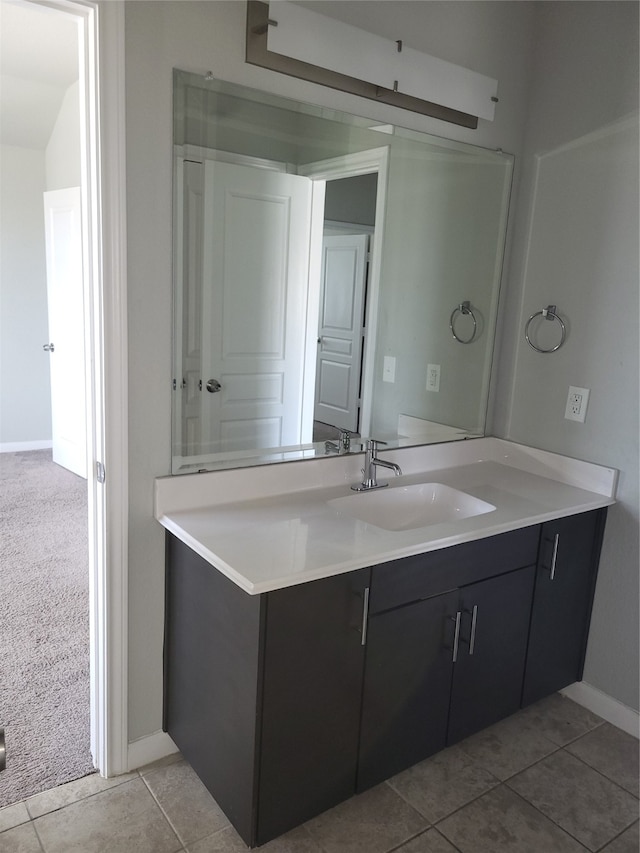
(409,507)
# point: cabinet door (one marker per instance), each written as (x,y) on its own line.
(565,582)
(487,679)
(312,687)
(211,657)
(406,687)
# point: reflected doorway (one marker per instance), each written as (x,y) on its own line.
(348,231)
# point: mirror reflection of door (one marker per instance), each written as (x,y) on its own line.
(255,263)
(341,329)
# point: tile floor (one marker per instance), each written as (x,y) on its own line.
(554,778)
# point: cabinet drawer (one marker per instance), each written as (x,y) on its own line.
(413,578)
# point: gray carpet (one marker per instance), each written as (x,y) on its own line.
(44,625)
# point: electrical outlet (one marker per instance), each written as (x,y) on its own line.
(389,369)
(576,407)
(433,377)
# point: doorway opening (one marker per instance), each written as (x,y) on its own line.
(52,56)
(348,230)
(348,209)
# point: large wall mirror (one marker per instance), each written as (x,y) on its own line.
(331,274)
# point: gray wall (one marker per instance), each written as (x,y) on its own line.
(25,401)
(443,230)
(25,385)
(577,246)
(491,38)
(63,148)
(351,200)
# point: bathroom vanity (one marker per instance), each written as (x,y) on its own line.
(310,655)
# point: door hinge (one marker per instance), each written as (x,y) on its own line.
(100,472)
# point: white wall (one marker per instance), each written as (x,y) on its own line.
(202,36)
(577,247)
(25,400)
(63,149)
(25,391)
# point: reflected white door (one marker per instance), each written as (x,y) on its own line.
(255,270)
(342,298)
(65,296)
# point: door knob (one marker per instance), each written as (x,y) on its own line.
(213,385)
(48,347)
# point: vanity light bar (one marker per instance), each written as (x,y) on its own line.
(295,41)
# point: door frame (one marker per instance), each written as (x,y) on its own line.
(102,119)
(375,160)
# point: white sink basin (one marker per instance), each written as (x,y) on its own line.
(409,507)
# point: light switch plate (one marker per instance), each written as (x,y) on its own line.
(389,369)
(576,408)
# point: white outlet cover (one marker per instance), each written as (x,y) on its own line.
(576,408)
(433,377)
(389,369)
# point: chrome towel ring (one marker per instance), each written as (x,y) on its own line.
(549,313)
(463,308)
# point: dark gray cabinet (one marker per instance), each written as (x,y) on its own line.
(565,583)
(310,703)
(263,693)
(492,646)
(407,682)
(289,702)
(441,664)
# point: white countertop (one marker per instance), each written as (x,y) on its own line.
(271,527)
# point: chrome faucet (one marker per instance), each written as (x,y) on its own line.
(371,461)
(344,445)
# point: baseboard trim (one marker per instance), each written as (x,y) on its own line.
(604,706)
(17,446)
(151,748)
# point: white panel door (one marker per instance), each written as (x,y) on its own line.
(342,296)
(255,271)
(65,296)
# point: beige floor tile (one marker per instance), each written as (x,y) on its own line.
(11,816)
(228,841)
(627,842)
(428,842)
(71,792)
(125,819)
(560,719)
(443,783)
(373,822)
(190,808)
(508,747)
(579,799)
(161,762)
(502,822)
(613,752)
(20,839)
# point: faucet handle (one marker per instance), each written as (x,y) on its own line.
(372,443)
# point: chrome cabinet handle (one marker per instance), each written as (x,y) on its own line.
(554,557)
(456,635)
(474,622)
(365,617)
